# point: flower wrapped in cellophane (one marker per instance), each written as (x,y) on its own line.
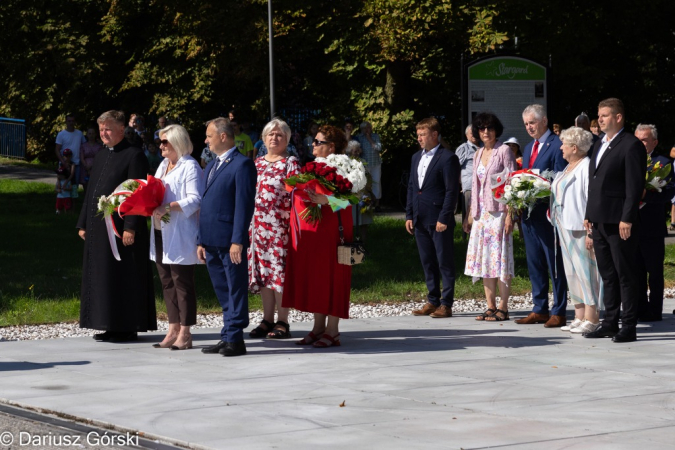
(338,177)
(134,198)
(656,175)
(521,189)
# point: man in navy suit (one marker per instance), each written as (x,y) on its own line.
(543,153)
(224,218)
(652,233)
(616,184)
(433,189)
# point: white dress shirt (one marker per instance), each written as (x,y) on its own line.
(179,236)
(425,160)
(603,147)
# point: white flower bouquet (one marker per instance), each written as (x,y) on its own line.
(521,189)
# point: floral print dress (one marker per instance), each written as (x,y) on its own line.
(490,250)
(269,228)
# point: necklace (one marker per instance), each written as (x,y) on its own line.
(278,158)
(573,165)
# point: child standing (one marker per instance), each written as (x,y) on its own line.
(63,190)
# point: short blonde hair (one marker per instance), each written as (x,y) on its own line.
(577,136)
(179,138)
(277,123)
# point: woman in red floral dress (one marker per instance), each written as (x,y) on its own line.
(269,229)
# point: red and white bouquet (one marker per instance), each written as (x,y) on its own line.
(134,198)
(339,177)
(521,189)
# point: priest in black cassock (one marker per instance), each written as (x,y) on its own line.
(117,296)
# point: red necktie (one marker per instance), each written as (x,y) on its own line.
(535,152)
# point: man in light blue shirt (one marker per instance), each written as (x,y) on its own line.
(465,154)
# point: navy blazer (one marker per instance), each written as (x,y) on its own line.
(228,202)
(549,156)
(615,186)
(653,213)
(436,199)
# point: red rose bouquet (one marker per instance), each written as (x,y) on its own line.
(134,198)
(338,177)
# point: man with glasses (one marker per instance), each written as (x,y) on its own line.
(432,197)
(543,153)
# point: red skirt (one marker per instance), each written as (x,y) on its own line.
(315,282)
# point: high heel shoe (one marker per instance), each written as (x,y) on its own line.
(185,346)
(165,343)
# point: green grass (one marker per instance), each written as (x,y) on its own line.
(41,261)
(35,164)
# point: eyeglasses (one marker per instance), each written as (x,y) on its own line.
(486,129)
(164,142)
(317,142)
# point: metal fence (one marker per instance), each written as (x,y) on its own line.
(12,138)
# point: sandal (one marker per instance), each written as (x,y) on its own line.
(332,341)
(259,331)
(485,315)
(309,339)
(278,333)
(499,316)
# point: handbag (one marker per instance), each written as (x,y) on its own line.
(349,253)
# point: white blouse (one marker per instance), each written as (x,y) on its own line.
(179,236)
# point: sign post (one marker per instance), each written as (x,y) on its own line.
(504,85)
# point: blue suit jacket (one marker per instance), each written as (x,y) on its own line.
(227,203)
(436,199)
(549,156)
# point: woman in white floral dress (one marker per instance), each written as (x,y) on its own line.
(269,229)
(490,251)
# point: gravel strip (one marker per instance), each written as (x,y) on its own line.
(358,311)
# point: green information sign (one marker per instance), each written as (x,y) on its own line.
(507,68)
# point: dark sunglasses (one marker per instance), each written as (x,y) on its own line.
(486,128)
(164,142)
(318,142)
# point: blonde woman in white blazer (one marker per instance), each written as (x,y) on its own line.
(569,195)
(173,245)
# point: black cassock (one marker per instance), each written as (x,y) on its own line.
(116,295)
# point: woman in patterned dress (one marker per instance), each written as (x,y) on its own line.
(269,229)
(569,194)
(490,252)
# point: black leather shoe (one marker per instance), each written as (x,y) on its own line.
(124,337)
(602,332)
(103,337)
(116,336)
(649,318)
(625,335)
(233,349)
(215,348)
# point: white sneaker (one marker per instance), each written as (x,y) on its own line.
(575,323)
(586,327)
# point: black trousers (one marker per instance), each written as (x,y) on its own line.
(618,266)
(650,259)
(178,285)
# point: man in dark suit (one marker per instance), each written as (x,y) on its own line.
(433,189)
(224,218)
(652,233)
(543,153)
(615,187)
